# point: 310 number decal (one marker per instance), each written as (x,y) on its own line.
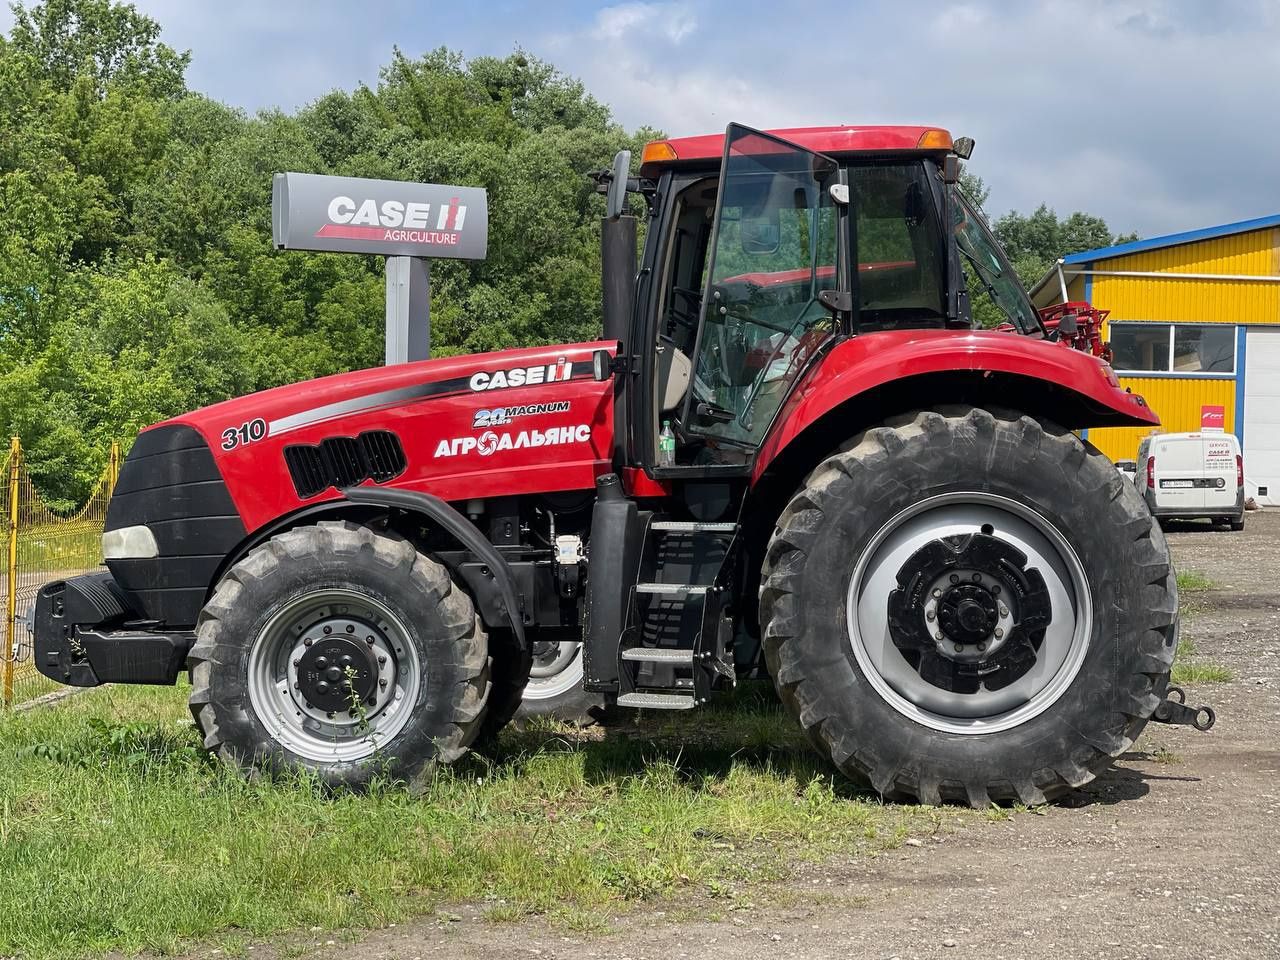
(233,437)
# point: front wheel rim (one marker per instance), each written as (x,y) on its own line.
(1065,640)
(284,680)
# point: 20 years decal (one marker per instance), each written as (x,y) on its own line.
(248,432)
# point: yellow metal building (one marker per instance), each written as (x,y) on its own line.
(1195,328)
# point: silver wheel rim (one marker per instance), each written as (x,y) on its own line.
(343,735)
(1059,658)
(556,675)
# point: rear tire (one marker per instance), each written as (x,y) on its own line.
(878,686)
(1237,525)
(266,691)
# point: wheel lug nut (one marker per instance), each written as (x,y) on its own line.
(382,659)
(372,701)
(930,616)
(999,633)
(977,578)
(330,714)
(328,630)
(959,648)
(369,641)
(937,594)
(938,635)
(307,642)
(955,578)
(383,683)
(982,646)
(297,663)
(1004,611)
(351,628)
(995,589)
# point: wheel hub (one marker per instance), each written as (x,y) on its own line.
(338,671)
(967,613)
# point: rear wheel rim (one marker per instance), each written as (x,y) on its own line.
(1062,650)
(282,679)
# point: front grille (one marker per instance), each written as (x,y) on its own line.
(345,462)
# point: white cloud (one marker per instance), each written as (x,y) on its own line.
(1155,114)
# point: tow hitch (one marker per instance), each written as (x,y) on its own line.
(1173,709)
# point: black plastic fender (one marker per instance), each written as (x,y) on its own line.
(503,580)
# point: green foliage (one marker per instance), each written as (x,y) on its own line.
(137,276)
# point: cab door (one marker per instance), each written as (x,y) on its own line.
(778,253)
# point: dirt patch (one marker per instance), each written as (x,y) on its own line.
(1175,851)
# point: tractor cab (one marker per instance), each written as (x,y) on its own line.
(762,250)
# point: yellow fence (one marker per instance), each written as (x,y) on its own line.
(41,545)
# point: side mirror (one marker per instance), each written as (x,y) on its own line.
(615,201)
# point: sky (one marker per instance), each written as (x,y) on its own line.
(1158,115)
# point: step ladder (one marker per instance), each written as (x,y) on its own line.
(676,646)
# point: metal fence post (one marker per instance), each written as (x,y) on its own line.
(114,473)
(11,596)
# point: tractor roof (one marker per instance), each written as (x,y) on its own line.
(834,141)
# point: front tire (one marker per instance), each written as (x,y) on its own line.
(339,652)
(968,606)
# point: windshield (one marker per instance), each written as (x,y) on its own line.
(985,262)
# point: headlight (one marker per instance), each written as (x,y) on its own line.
(129,543)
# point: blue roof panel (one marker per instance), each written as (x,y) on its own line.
(1173,239)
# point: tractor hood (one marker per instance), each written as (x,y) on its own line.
(482,425)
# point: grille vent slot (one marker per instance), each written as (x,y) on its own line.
(345,462)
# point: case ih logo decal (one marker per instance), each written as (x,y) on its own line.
(490,442)
(522,376)
(500,416)
(394,221)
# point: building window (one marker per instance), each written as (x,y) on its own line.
(1179,348)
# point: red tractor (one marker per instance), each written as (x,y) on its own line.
(789,452)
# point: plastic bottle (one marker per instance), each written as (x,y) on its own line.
(666,446)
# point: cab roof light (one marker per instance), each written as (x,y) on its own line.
(659,151)
(934,139)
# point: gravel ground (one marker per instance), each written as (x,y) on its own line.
(1175,851)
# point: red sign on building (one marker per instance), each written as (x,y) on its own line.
(1213,418)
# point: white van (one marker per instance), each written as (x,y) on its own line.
(1193,475)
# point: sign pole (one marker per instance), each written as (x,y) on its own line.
(408,309)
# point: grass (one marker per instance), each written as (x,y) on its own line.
(1191,581)
(118,833)
(1186,670)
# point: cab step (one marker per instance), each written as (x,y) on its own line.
(673,589)
(659,655)
(692,526)
(658,701)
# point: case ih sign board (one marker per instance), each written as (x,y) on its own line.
(390,218)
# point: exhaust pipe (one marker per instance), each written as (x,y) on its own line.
(618,290)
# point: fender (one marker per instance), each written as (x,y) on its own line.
(456,525)
(1074,388)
